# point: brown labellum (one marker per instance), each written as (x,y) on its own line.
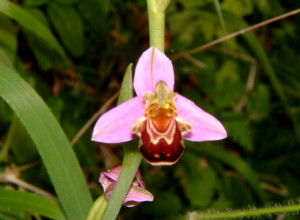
(160,130)
(161,147)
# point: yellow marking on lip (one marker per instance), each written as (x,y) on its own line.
(156,155)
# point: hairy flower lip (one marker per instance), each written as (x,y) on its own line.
(153,66)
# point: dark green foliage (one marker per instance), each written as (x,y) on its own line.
(80,65)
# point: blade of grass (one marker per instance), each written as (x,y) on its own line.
(260,53)
(27,21)
(4,60)
(5,148)
(51,142)
(31,202)
(254,212)
(218,8)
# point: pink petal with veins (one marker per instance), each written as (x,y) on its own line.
(205,126)
(107,178)
(152,67)
(134,196)
(115,125)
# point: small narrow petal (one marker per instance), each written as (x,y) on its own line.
(105,181)
(205,126)
(112,175)
(139,181)
(136,195)
(152,67)
(115,125)
(106,178)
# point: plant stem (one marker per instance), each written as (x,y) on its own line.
(7,144)
(245,213)
(156,16)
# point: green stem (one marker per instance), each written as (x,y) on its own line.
(156,15)
(6,146)
(219,11)
(246,213)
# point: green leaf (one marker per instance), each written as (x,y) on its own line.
(97,209)
(35,2)
(259,52)
(240,132)
(4,60)
(51,142)
(94,14)
(259,106)
(32,203)
(35,26)
(126,91)
(9,213)
(257,48)
(67,2)
(199,182)
(219,11)
(69,26)
(44,57)
(236,163)
(21,145)
(239,8)
(8,38)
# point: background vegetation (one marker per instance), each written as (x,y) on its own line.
(251,83)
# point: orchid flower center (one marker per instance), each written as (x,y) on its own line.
(160,130)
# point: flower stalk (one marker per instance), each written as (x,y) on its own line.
(252,212)
(156,17)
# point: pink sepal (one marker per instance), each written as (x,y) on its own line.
(205,126)
(152,67)
(115,125)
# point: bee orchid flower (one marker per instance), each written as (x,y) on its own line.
(161,118)
(137,192)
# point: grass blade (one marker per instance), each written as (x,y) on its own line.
(259,51)
(27,21)
(219,11)
(31,202)
(51,142)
